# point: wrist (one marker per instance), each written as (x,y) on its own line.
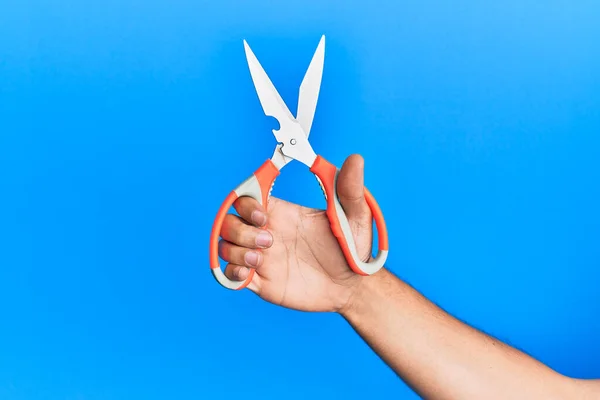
(364,295)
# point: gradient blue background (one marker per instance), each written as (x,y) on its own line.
(123,125)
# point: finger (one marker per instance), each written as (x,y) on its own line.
(234,230)
(240,273)
(351,189)
(239,255)
(251,211)
(236,272)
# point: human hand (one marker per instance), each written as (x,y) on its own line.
(298,261)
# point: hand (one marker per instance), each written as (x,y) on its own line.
(298,261)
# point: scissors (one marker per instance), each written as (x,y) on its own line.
(293,144)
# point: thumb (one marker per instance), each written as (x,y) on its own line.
(351,190)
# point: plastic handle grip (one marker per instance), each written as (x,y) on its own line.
(327,174)
(257,186)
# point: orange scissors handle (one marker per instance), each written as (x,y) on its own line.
(327,174)
(257,186)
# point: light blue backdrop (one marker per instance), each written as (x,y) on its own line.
(123,125)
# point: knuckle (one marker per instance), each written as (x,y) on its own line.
(243,204)
(223,250)
(227,225)
(238,205)
(240,234)
(245,236)
(229,271)
(234,229)
(238,272)
(246,208)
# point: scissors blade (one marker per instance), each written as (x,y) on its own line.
(272,103)
(309,88)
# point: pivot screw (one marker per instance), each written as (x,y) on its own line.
(293,142)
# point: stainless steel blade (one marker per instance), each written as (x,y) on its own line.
(293,139)
(310,87)
(272,103)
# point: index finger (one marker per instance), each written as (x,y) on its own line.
(251,211)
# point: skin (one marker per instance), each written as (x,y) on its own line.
(299,265)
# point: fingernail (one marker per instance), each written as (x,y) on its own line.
(264,239)
(251,259)
(259,218)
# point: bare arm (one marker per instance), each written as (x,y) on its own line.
(443,358)
(299,265)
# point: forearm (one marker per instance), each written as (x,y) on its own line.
(439,356)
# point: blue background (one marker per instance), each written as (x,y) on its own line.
(124,124)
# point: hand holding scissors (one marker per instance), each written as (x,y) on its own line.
(293,144)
